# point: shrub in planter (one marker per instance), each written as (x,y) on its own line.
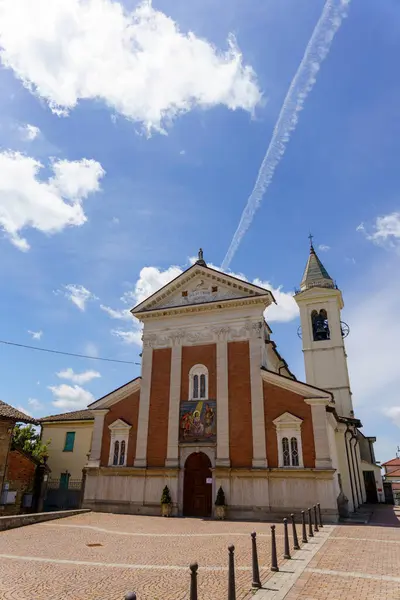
(220,504)
(166,502)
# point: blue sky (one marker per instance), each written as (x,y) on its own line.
(139,176)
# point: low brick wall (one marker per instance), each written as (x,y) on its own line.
(9,522)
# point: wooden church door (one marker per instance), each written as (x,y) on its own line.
(197,492)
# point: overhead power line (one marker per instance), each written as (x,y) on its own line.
(115,360)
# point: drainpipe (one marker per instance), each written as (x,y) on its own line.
(348,465)
(354,470)
(354,437)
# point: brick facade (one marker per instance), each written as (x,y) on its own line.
(277,401)
(128,410)
(159,408)
(199,355)
(239,402)
(6,428)
(20,477)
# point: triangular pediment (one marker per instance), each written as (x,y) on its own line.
(201,285)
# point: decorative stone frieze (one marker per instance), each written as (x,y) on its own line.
(208,334)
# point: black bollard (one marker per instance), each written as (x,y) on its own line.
(310,531)
(231,574)
(295,539)
(130,596)
(193,581)
(303,527)
(256,572)
(274,558)
(286,539)
(319,515)
(315,519)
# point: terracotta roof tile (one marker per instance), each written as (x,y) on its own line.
(395,462)
(9,412)
(76,415)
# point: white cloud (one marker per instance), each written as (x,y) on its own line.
(115,220)
(393,413)
(36,335)
(35,404)
(29,132)
(48,206)
(91,349)
(79,378)
(123,314)
(139,63)
(182,152)
(24,410)
(386,230)
(324,248)
(78,294)
(129,337)
(70,397)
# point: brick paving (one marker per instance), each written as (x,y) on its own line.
(356,562)
(150,555)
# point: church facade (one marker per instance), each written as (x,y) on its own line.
(216,405)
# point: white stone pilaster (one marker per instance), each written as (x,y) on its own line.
(144,407)
(97,437)
(223,459)
(323,459)
(172,459)
(257,404)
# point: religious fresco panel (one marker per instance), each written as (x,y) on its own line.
(198,421)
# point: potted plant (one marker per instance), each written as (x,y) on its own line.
(166,502)
(220,504)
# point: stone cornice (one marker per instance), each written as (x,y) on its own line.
(115,396)
(308,392)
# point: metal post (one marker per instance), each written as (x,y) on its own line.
(310,531)
(303,527)
(286,539)
(231,574)
(256,572)
(274,558)
(315,519)
(295,539)
(130,596)
(319,515)
(193,581)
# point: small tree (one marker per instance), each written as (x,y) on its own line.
(26,438)
(220,500)
(166,496)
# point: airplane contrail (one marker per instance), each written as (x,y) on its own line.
(302,83)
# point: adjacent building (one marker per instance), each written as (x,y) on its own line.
(216,405)
(70,436)
(392,477)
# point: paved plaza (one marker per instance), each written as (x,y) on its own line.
(95,556)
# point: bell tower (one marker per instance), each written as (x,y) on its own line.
(320,302)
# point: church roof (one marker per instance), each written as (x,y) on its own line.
(315,274)
(201,285)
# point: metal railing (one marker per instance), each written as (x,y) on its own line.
(314,524)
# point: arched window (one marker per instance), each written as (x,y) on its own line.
(288,436)
(122,453)
(285,452)
(320,325)
(119,441)
(195,386)
(198,383)
(202,386)
(116,452)
(294,452)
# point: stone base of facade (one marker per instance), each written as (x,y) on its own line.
(251,494)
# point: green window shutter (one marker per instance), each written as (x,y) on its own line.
(69,441)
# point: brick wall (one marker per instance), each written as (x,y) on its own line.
(5,437)
(276,402)
(199,355)
(128,410)
(20,477)
(157,439)
(239,395)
